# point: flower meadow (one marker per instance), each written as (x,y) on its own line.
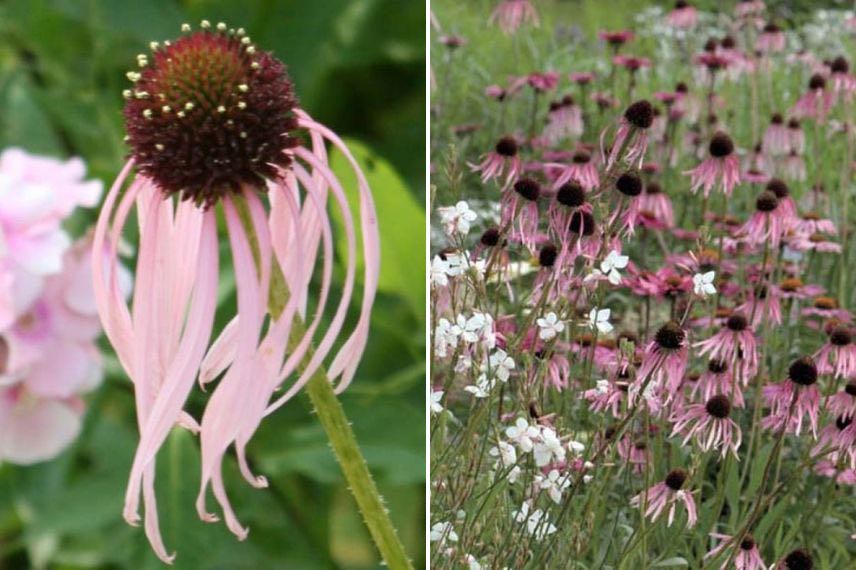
(642,344)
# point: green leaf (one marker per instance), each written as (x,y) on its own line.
(24,123)
(671,562)
(401,220)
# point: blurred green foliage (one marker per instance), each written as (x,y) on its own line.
(358,66)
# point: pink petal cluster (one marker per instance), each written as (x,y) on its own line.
(48,321)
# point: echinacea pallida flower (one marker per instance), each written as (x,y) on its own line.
(213,124)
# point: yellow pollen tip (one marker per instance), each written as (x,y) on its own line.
(205,24)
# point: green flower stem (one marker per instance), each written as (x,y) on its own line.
(334,421)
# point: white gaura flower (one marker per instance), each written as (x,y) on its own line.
(436,398)
(456,219)
(522,434)
(549,448)
(442,532)
(482,387)
(549,326)
(445,337)
(537,523)
(576,447)
(439,271)
(599,319)
(554,483)
(501,364)
(472,562)
(602,386)
(610,266)
(703,284)
(478,328)
(505,453)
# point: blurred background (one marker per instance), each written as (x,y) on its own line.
(359,67)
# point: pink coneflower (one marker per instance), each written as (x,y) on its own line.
(631,138)
(814,242)
(542,82)
(796,137)
(710,62)
(520,210)
(631,63)
(796,560)
(771,39)
(581,77)
(816,102)
(776,139)
(843,82)
(795,288)
(767,223)
(748,7)
(810,222)
(564,120)
(617,38)
(453,42)
(793,400)
(837,356)
(735,344)
(228,135)
(786,205)
(665,358)
(839,437)
(509,15)
(708,424)
(748,557)
(558,371)
(629,184)
(504,161)
(719,379)
(581,169)
(683,15)
(584,234)
(655,209)
(635,452)
(827,308)
(495,92)
(843,403)
(753,176)
(794,167)
(570,198)
(667,494)
(607,396)
(721,167)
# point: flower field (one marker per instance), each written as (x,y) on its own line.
(642,350)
